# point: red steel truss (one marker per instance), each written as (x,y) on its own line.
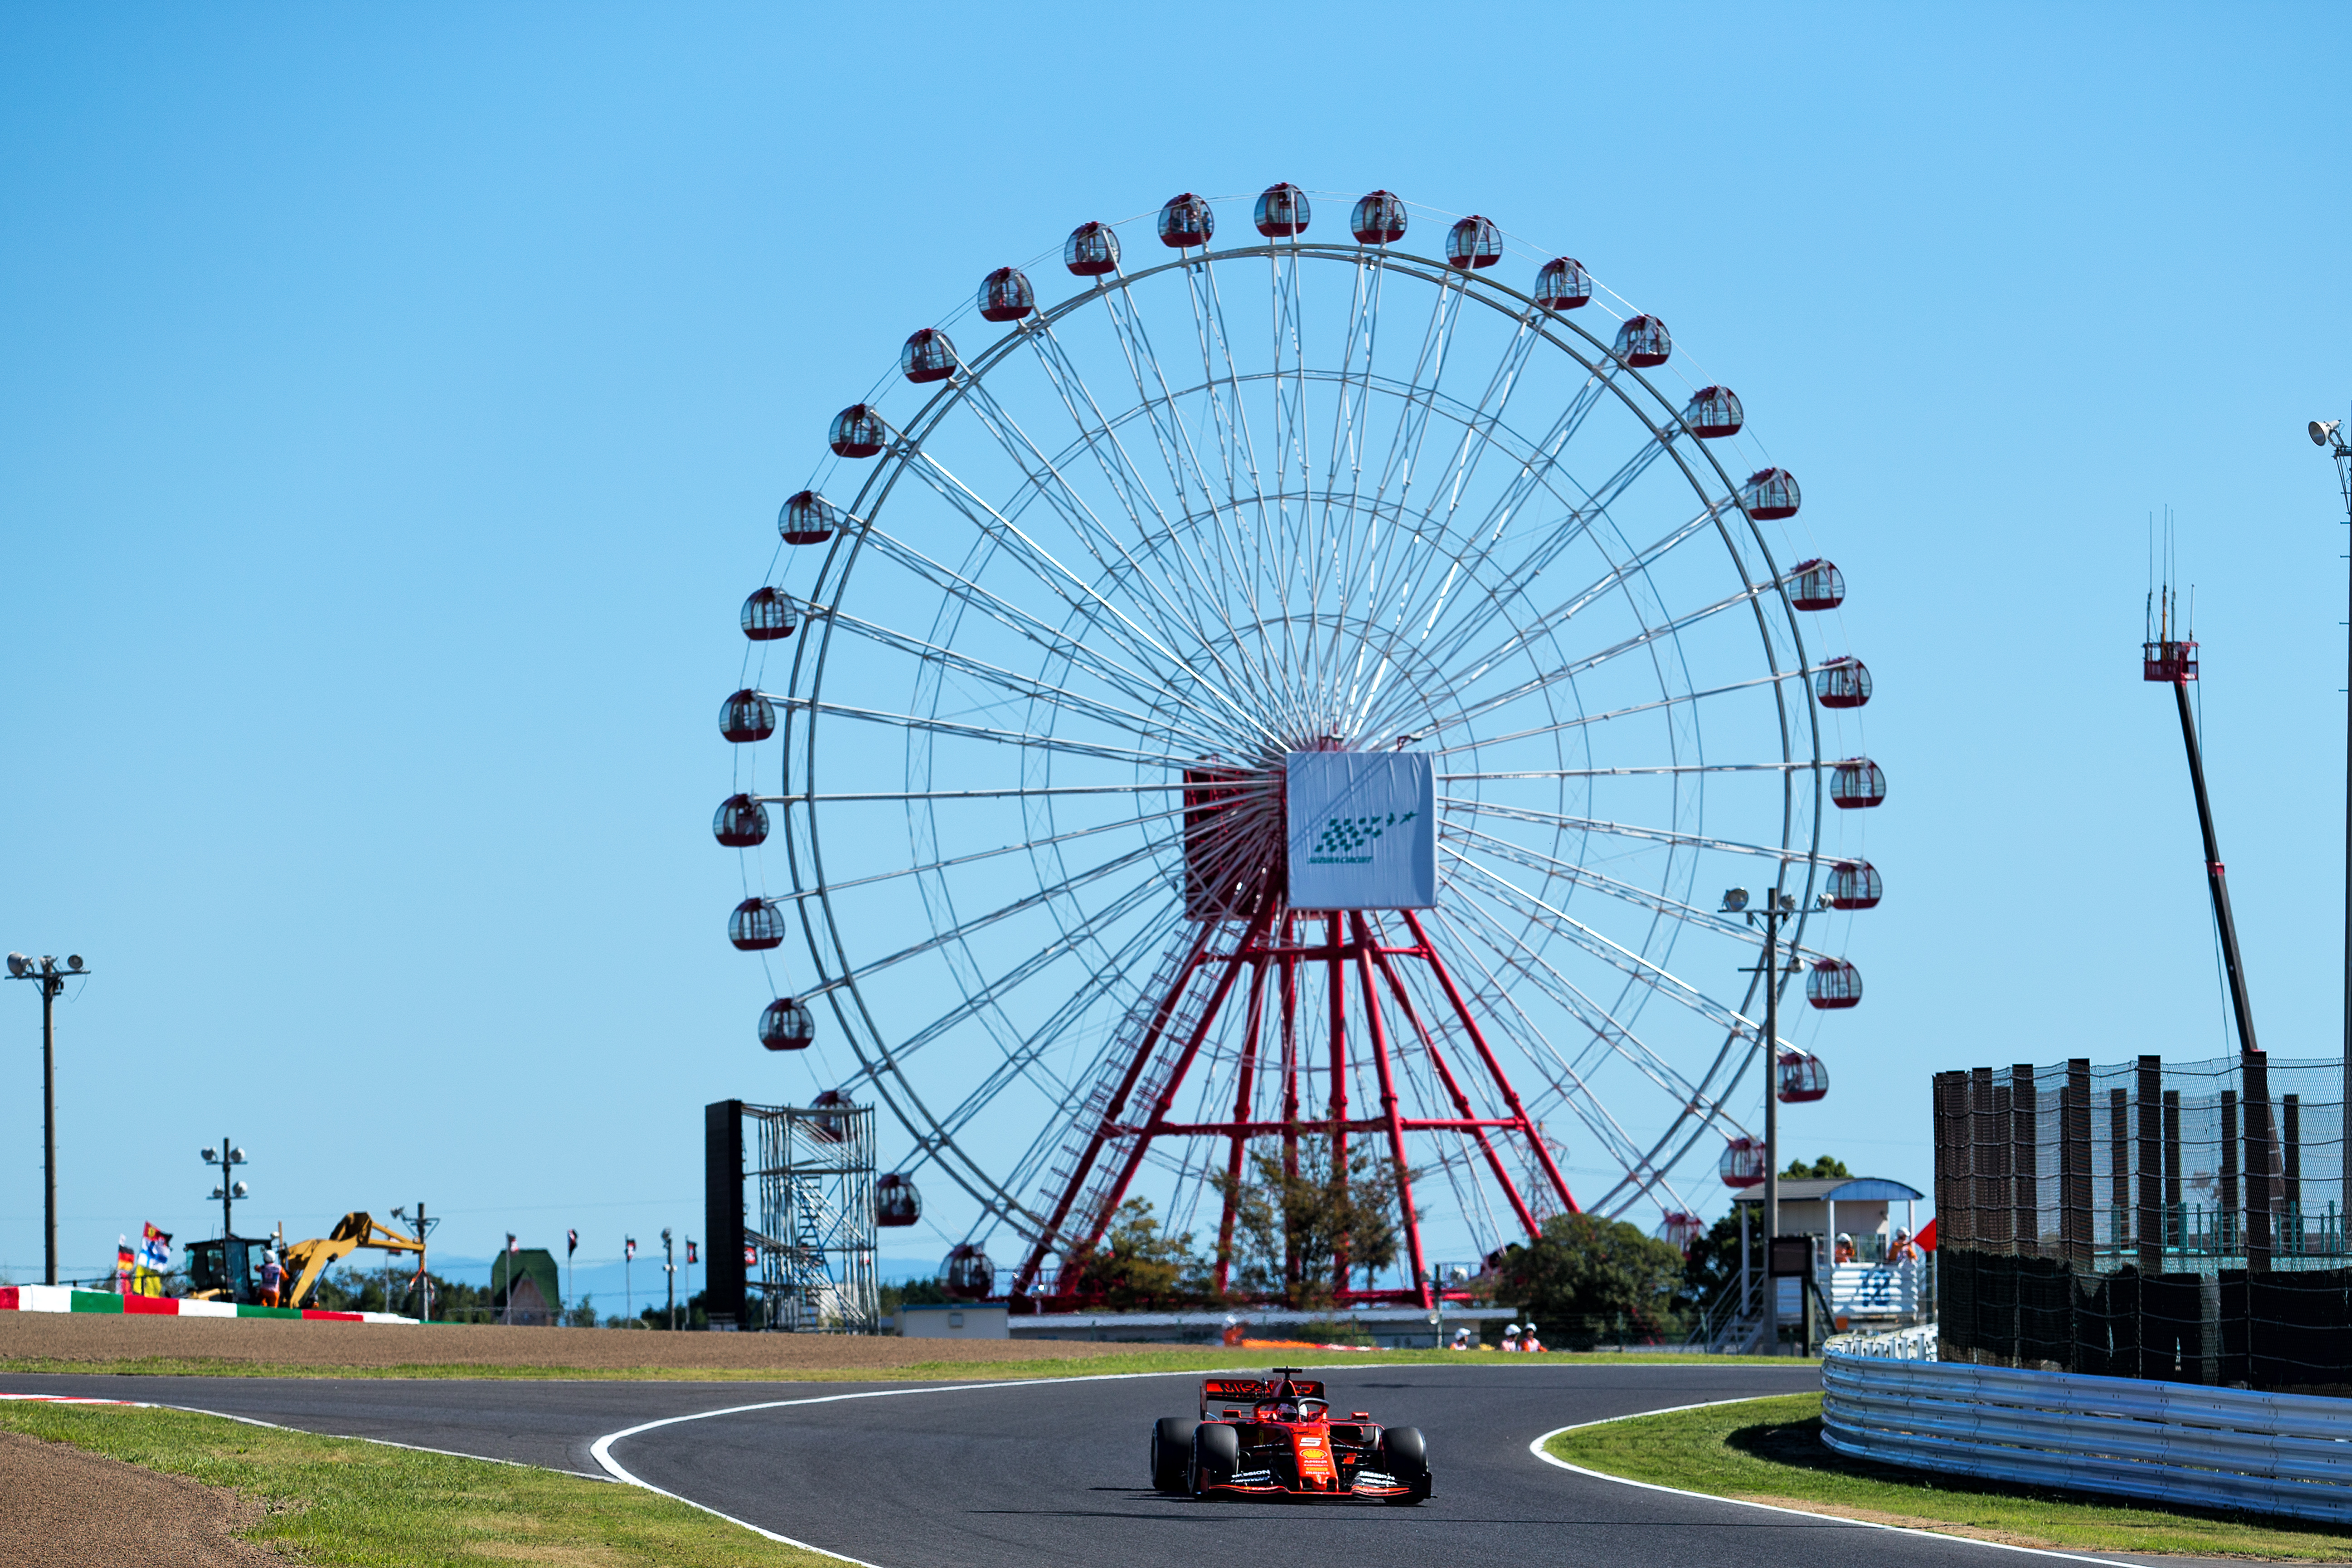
(1260,974)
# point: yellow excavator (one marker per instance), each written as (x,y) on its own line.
(227,1279)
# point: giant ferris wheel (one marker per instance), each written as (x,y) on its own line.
(1123,626)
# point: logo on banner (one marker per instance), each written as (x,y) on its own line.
(1342,837)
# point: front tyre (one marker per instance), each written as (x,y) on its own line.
(1216,1455)
(1404,1454)
(1171,1452)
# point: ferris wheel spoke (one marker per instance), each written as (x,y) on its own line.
(1028,739)
(1570,670)
(1101,439)
(1464,804)
(1028,845)
(1470,838)
(1569,1090)
(1660,982)
(1522,639)
(1046,481)
(1132,683)
(1177,447)
(1606,1031)
(965,929)
(1639,772)
(1027,687)
(1582,721)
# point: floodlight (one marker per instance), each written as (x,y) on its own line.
(210,1155)
(18,963)
(1734,899)
(238,1189)
(237,1156)
(2321,432)
(73,961)
(216,1192)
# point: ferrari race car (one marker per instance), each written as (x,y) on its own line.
(1275,1438)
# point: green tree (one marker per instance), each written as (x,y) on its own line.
(1139,1267)
(1823,1168)
(1711,1266)
(1587,1278)
(1292,1228)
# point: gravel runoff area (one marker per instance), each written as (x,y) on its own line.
(62,1507)
(54,1338)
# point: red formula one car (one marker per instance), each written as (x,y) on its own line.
(1275,1438)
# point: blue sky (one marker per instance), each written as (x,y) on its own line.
(394,405)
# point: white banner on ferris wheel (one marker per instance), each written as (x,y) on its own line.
(1363,830)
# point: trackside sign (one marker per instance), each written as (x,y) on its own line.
(1363,830)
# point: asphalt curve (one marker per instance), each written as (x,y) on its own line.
(991,1476)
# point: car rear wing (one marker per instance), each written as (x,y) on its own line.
(1255,1391)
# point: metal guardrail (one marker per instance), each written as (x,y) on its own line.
(1918,1342)
(2166,1442)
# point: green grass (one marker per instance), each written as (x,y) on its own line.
(338,1500)
(1770,1450)
(1174,1359)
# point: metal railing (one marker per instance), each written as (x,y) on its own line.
(2166,1442)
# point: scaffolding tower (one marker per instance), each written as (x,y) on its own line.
(800,1209)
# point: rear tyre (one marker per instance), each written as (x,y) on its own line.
(1216,1455)
(1171,1452)
(1404,1454)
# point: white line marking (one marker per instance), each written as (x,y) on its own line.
(1537,1449)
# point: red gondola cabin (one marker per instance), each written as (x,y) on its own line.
(747,716)
(1713,413)
(1856,885)
(1834,983)
(1563,284)
(1843,683)
(1643,341)
(807,518)
(1473,242)
(1804,1078)
(1857,784)
(769,616)
(756,926)
(967,1274)
(1742,1164)
(787,1025)
(740,824)
(928,356)
(1770,494)
(1379,219)
(895,1201)
(1186,220)
(1005,295)
(1282,212)
(1815,585)
(858,432)
(1092,250)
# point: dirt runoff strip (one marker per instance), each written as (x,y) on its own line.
(61,1506)
(49,1339)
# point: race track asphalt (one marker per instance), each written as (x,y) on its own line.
(998,1474)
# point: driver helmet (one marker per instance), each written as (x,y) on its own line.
(1287,1410)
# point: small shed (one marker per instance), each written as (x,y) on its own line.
(525,1287)
(1829,1206)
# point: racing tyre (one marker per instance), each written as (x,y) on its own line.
(1406,1455)
(1171,1452)
(1216,1455)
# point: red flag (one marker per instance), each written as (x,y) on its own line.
(689,1251)
(630,1243)
(571,1242)
(750,1255)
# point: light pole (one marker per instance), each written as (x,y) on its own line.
(669,1274)
(1777,906)
(230,1190)
(2327,435)
(44,972)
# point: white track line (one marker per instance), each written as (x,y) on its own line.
(1537,1449)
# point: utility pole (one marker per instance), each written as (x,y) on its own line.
(1777,906)
(2327,435)
(44,972)
(422,1280)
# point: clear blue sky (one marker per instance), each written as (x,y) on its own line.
(393,405)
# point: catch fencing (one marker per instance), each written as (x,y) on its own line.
(2172,1443)
(2147,1220)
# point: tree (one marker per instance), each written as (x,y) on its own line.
(1292,1228)
(1711,1266)
(1821,1169)
(1139,1267)
(1589,1277)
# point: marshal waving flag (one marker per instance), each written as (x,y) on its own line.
(155,1250)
